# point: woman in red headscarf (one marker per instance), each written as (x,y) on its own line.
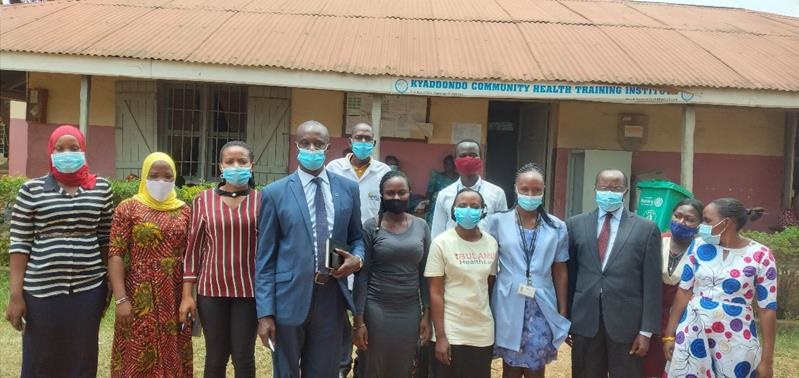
(60,227)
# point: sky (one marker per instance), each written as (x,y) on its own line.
(785,7)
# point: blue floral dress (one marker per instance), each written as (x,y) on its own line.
(717,333)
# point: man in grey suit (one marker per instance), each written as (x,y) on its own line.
(614,284)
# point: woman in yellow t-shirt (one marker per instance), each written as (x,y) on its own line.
(461,267)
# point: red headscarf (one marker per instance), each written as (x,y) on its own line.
(81,177)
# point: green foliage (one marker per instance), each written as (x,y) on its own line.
(187,193)
(122,190)
(9,187)
(785,245)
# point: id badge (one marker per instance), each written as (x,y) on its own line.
(526,291)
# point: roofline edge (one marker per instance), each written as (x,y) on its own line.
(169,70)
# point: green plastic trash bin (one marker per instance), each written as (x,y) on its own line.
(657,199)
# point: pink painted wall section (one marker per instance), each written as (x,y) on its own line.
(29,142)
(750,178)
(417,159)
(17,149)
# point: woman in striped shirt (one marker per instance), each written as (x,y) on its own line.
(220,260)
(59,239)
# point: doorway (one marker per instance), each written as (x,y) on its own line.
(518,133)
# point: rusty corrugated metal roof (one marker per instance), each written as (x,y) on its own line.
(617,42)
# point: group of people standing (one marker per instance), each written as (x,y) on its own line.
(485,281)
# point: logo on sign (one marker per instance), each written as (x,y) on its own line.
(687,97)
(401,85)
(658,202)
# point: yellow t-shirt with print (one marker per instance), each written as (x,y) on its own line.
(465,267)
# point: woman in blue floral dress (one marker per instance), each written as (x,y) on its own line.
(717,334)
(533,250)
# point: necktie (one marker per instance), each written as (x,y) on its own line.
(321,226)
(604,238)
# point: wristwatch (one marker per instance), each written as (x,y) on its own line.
(360,262)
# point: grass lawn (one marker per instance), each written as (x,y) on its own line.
(11,345)
(786,363)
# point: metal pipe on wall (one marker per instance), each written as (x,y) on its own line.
(687,150)
(85,98)
(377,113)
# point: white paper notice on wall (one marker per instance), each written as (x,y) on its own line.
(461,131)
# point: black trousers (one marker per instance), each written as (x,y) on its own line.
(60,338)
(599,356)
(467,362)
(230,327)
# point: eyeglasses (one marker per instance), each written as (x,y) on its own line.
(617,189)
(308,145)
(362,138)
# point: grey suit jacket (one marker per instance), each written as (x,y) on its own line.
(629,287)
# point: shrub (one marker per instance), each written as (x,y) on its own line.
(785,245)
(9,187)
(122,190)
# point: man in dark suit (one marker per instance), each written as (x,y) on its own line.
(301,303)
(614,284)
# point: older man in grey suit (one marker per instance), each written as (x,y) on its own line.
(614,284)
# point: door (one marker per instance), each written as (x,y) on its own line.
(518,133)
(268,116)
(501,153)
(136,132)
(583,167)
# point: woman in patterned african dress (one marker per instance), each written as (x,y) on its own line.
(145,267)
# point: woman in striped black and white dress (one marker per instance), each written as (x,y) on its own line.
(220,260)
(59,239)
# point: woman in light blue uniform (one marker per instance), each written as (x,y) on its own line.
(530,294)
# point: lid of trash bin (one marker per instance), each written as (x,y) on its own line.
(663,184)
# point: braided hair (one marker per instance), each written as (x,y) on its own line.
(250,154)
(388,176)
(534,168)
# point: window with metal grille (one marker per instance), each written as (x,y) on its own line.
(198,120)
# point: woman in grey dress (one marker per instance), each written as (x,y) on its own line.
(391,317)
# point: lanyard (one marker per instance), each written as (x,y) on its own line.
(528,248)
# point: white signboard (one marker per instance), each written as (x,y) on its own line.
(401,116)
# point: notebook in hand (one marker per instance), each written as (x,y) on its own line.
(332,259)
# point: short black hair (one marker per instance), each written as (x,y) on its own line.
(693,202)
(237,143)
(467,141)
(624,176)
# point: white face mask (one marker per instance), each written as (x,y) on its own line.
(159,190)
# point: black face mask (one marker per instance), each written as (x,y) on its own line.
(395,206)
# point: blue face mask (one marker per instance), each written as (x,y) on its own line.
(68,162)
(393,167)
(467,217)
(681,231)
(609,201)
(529,203)
(237,175)
(362,150)
(311,160)
(706,233)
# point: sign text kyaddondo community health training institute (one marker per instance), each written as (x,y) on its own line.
(539,90)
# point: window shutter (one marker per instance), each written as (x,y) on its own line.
(268,116)
(136,132)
